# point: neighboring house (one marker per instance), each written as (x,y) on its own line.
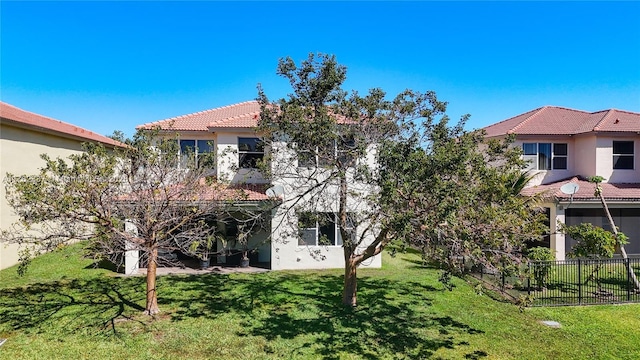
(229,132)
(565,145)
(23,137)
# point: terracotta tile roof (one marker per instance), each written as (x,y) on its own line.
(243,192)
(213,192)
(41,123)
(629,191)
(242,115)
(553,120)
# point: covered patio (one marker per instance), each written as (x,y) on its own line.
(583,206)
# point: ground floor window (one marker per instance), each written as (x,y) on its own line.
(319,229)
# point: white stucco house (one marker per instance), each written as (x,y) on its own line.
(229,133)
(23,137)
(565,145)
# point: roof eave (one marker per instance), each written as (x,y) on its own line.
(62,134)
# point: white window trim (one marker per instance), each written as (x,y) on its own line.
(196,150)
(632,155)
(316,151)
(534,159)
(240,152)
(316,229)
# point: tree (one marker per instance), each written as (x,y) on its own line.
(318,139)
(98,194)
(461,195)
(360,160)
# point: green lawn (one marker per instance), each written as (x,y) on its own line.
(65,309)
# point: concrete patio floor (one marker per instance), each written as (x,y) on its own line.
(216,269)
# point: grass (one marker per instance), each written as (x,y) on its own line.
(64,308)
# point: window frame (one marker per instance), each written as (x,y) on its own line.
(210,144)
(325,156)
(253,153)
(553,156)
(316,228)
(619,155)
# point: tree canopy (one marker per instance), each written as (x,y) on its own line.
(393,169)
(455,195)
(164,196)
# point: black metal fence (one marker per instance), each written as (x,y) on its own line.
(572,282)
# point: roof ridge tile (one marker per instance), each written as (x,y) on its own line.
(607,114)
(523,122)
(196,114)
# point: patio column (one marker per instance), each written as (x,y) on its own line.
(131,254)
(557,238)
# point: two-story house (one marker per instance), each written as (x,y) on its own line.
(229,132)
(568,146)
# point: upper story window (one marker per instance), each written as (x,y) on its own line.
(623,155)
(250,152)
(199,151)
(320,229)
(324,156)
(545,156)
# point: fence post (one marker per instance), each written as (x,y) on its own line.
(627,267)
(529,279)
(580,281)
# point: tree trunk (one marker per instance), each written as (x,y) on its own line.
(349,294)
(631,273)
(151,307)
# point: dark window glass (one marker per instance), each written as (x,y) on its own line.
(327,229)
(346,152)
(544,156)
(250,152)
(187,151)
(187,146)
(623,147)
(622,162)
(318,229)
(306,157)
(623,155)
(560,163)
(250,145)
(560,149)
(307,229)
(530,148)
(205,146)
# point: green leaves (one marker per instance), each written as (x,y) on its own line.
(593,241)
(454,195)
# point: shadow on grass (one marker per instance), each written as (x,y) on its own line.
(394,318)
(92,306)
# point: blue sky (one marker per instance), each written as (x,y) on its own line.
(111,66)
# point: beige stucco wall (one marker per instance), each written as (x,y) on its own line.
(604,160)
(585,155)
(20,151)
(588,155)
(227,156)
(286,253)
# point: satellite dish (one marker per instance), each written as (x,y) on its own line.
(276,191)
(569,188)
